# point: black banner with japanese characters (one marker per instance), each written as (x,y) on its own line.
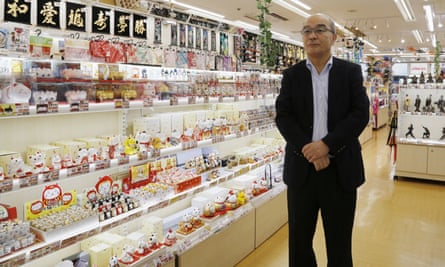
(18,11)
(75,17)
(48,13)
(121,24)
(100,20)
(139,26)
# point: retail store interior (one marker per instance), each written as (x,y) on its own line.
(142,133)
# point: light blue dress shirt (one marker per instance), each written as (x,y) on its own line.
(320,94)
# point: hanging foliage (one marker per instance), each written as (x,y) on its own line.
(267,50)
(436,60)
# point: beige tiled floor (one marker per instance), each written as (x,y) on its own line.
(399,223)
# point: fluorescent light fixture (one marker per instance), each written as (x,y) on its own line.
(245,25)
(279,35)
(198,11)
(370,44)
(343,29)
(406,10)
(303,5)
(433,39)
(292,8)
(418,35)
(429,16)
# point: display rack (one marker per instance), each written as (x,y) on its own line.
(38,128)
(420,142)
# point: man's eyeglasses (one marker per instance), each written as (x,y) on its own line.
(317,31)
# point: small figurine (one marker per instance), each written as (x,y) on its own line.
(443,133)
(422,78)
(126,256)
(170,238)
(130,146)
(414,80)
(417,104)
(231,200)
(410,131)
(241,197)
(440,104)
(426,133)
(209,209)
(143,248)
(428,107)
(113,262)
(407,103)
(153,241)
(430,78)
(196,218)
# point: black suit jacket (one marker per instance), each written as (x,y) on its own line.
(348,114)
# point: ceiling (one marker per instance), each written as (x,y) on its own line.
(379,20)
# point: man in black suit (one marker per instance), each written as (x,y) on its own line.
(321,110)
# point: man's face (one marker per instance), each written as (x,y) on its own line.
(318,37)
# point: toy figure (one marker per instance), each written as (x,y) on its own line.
(407,103)
(428,107)
(440,104)
(422,78)
(410,131)
(430,78)
(426,133)
(417,104)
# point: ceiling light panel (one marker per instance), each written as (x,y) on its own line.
(405,9)
(292,8)
(429,16)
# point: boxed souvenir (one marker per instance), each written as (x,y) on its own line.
(115,241)
(75,150)
(151,125)
(100,254)
(134,238)
(92,142)
(153,224)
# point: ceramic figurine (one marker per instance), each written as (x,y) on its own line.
(143,248)
(113,262)
(426,133)
(209,209)
(441,104)
(410,131)
(417,104)
(130,146)
(153,241)
(196,218)
(406,103)
(170,238)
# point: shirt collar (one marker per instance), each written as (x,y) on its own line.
(328,66)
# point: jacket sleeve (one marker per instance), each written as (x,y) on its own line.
(349,115)
(287,117)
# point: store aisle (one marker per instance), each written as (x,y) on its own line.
(399,223)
